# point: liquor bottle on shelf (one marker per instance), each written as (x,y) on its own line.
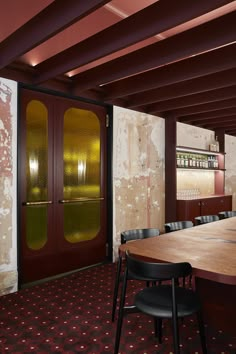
(186,161)
(197,161)
(190,161)
(217,144)
(200,161)
(209,161)
(216,162)
(178,160)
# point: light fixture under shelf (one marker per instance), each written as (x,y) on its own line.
(198,151)
(200,169)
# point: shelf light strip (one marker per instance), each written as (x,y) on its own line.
(188,150)
(199,169)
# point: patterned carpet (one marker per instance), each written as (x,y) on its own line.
(73,315)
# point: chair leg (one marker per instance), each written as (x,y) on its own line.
(175,320)
(118,332)
(158,329)
(190,280)
(116,288)
(175,335)
(120,314)
(202,333)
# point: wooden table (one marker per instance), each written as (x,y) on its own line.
(211,250)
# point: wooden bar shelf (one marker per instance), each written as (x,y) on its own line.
(191,159)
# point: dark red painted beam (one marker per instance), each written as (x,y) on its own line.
(219,119)
(191,118)
(15,74)
(192,100)
(230,131)
(219,123)
(53,19)
(205,64)
(207,107)
(148,22)
(223,124)
(192,42)
(189,87)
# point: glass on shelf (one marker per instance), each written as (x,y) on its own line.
(188,194)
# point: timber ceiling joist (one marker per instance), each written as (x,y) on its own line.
(167,58)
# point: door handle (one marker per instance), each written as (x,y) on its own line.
(80,200)
(40,202)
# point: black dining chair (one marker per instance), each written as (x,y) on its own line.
(227,214)
(163,301)
(177,225)
(126,236)
(205,219)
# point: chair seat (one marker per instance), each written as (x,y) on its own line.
(157,301)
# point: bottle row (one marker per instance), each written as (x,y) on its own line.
(196,161)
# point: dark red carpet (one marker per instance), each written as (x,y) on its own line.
(73,315)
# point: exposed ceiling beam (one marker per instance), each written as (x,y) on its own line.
(230,131)
(192,100)
(207,107)
(148,22)
(220,125)
(181,46)
(214,114)
(208,63)
(53,19)
(201,84)
(219,119)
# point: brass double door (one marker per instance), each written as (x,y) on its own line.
(62,185)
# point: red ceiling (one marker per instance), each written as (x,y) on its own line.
(153,50)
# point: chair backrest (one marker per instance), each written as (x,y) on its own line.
(227,214)
(156,271)
(177,225)
(137,234)
(204,219)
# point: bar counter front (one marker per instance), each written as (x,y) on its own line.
(211,250)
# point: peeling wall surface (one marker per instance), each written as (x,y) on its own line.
(138,172)
(8,247)
(230,165)
(195,137)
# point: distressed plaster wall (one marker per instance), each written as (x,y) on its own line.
(8,247)
(188,135)
(138,172)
